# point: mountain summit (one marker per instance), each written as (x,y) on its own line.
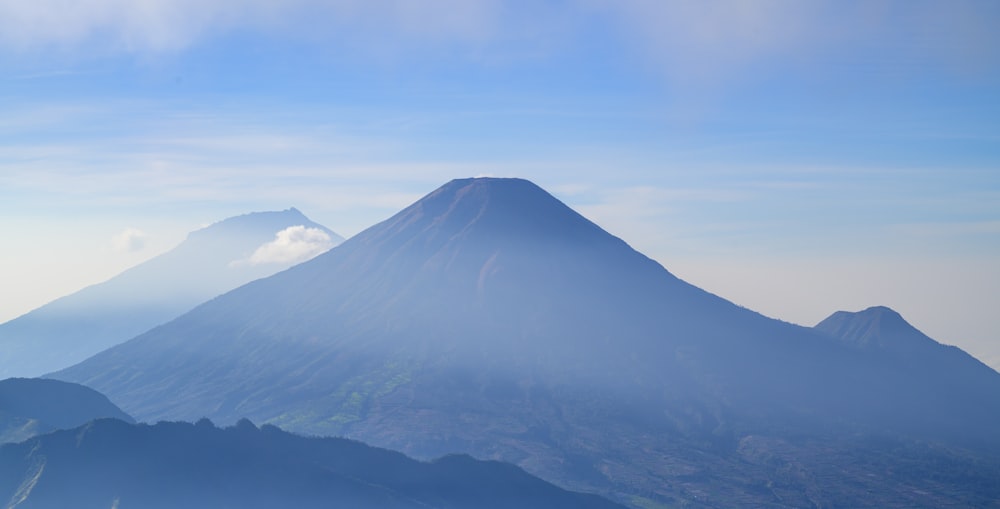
(507,207)
(211,261)
(878,328)
(960,380)
(489,318)
(884,332)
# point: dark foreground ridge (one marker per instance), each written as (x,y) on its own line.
(33,406)
(109,463)
(490,318)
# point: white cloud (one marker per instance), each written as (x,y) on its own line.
(697,42)
(710,41)
(292,245)
(130,240)
(707,37)
(157,25)
(173,25)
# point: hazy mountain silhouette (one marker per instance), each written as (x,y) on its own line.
(109,463)
(490,318)
(209,262)
(32,406)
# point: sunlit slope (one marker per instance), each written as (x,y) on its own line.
(209,262)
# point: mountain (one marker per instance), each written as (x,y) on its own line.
(492,319)
(33,406)
(958,377)
(109,463)
(209,262)
(882,330)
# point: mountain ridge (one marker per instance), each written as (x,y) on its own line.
(490,318)
(71,328)
(108,462)
(882,329)
(936,367)
(32,406)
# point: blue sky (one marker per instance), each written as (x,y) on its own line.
(795,157)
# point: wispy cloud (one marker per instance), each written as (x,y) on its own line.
(701,40)
(709,39)
(53,154)
(712,39)
(941,229)
(130,240)
(174,25)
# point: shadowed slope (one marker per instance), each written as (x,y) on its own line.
(959,383)
(109,463)
(32,406)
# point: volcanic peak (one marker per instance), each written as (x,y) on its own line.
(502,206)
(874,327)
(255,222)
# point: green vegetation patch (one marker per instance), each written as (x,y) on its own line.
(646,503)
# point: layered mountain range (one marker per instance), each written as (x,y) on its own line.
(34,406)
(110,463)
(491,319)
(209,262)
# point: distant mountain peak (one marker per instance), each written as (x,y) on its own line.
(883,333)
(210,261)
(877,327)
(255,221)
(883,316)
(880,311)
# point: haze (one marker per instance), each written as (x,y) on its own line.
(795,158)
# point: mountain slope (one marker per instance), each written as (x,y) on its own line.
(32,406)
(209,262)
(880,329)
(959,379)
(490,318)
(109,463)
